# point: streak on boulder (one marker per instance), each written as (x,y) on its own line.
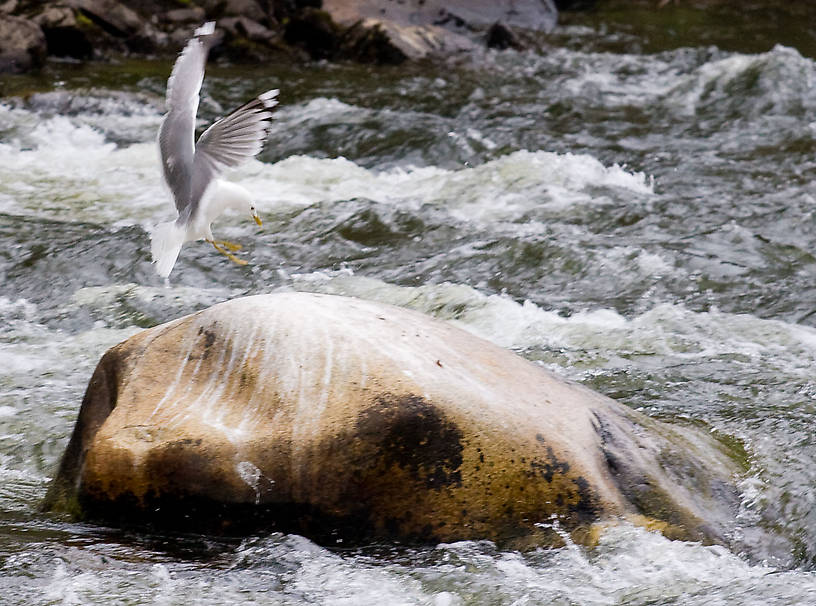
(345,419)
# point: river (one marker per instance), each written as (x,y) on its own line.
(634,216)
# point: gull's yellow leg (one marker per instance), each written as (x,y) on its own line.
(230,245)
(227,254)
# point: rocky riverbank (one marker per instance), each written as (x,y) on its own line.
(371,31)
(255,30)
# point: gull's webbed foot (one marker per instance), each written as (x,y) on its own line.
(218,244)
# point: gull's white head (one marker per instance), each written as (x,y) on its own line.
(231,195)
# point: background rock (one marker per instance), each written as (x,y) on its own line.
(65,34)
(313,31)
(22,44)
(426,28)
(249,9)
(536,15)
(112,16)
(575,5)
(194,14)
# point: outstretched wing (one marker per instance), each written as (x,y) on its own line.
(231,140)
(176,134)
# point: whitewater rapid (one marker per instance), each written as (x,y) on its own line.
(640,223)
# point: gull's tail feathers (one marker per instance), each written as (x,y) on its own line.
(165,246)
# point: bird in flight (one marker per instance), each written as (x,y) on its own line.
(192,168)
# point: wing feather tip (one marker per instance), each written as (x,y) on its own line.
(208,29)
(269,98)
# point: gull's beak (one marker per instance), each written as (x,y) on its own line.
(257,218)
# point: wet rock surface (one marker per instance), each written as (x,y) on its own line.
(347,420)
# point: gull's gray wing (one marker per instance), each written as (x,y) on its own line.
(231,140)
(176,134)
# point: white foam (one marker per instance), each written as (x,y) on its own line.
(17,317)
(502,189)
(609,79)
(251,475)
(63,168)
(629,566)
(43,361)
(317,109)
(317,574)
(778,81)
(68,588)
(666,329)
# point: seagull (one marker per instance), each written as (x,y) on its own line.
(191,169)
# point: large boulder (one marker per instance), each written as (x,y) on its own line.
(342,419)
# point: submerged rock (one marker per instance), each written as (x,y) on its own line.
(343,419)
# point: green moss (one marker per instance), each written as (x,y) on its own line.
(735,449)
(83,20)
(61,499)
(656,503)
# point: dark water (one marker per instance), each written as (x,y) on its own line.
(631,207)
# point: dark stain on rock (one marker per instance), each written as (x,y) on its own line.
(581,504)
(551,466)
(209,337)
(246,380)
(415,435)
(180,464)
(586,509)
(613,464)
(196,514)
(646,494)
(209,340)
(392,526)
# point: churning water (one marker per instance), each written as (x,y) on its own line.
(642,223)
